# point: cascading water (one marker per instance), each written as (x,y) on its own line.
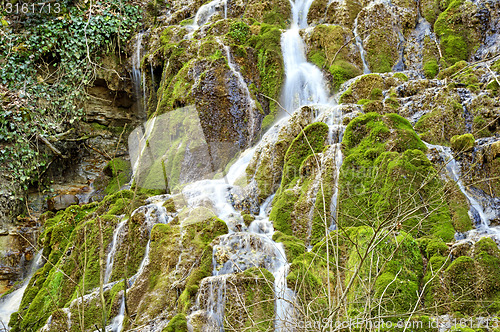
(481,213)
(112,251)
(204,14)
(359,44)
(11,302)
(253,245)
(251,107)
(304,82)
(138,79)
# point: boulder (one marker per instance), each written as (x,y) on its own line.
(61,202)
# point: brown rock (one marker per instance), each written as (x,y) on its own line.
(61,202)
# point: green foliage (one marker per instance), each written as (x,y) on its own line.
(456,39)
(50,61)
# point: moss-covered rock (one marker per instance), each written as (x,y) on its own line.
(331,48)
(444,121)
(462,143)
(267,163)
(72,242)
(294,199)
(384,167)
(458,32)
(247,302)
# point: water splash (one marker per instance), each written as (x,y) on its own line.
(117,324)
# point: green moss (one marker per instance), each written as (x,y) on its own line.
(311,140)
(401,76)
(270,65)
(457,41)
(450,71)
(432,246)
(444,121)
(177,324)
(462,143)
(71,242)
(381,53)
(431,68)
(383,159)
(282,209)
(342,71)
(480,126)
(293,246)
(250,301)
(436,297)
(186,22)
(494,87)
(460,275)
(366,87)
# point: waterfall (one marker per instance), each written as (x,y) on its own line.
(205,12)
(117,324)
(359,44)
(10,303)
(112,251)
(304,82)
(138,79)
(251,107)
(482,214)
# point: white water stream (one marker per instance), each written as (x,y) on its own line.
(138,79)
(481,210)
(10,303)
(359,44)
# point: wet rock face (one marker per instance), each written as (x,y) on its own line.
(16,253)
(61,202)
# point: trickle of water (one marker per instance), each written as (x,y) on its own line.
(215,302)
(241,82)
(114,245)
(138,79)
(359,44)
(117,324)
(482,215)
(11,302)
